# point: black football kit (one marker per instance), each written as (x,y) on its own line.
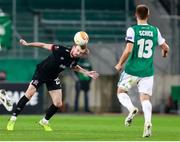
(48,70)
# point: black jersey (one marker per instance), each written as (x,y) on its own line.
(58,61)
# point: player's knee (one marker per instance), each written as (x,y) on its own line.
(30,92)
(120,90)
(58,104)
(28,96)
(144,97)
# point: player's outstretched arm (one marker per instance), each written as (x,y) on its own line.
(92,74)
(165,49)
(36,44)
(123,58)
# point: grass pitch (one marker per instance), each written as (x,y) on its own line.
(90,127)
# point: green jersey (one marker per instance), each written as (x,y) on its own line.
(145,38)
(86,65)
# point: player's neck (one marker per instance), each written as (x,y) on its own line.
(142,22)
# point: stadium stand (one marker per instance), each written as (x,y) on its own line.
(58,22)
(103,21)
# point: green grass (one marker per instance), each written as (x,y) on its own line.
(90,127)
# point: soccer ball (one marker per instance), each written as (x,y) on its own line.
(81,38)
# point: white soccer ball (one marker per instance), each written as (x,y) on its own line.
(81,38)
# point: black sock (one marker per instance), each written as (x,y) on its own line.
(22,102)
(51,111)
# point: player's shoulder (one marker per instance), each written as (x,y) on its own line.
(130,29)
(133,26)
(60,47)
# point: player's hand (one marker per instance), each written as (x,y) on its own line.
(164,53)
(23,42)
(118,67)
(93,74)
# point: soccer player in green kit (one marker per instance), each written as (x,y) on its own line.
(142,40)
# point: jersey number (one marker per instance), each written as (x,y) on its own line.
(145,45)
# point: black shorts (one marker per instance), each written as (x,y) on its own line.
(39,78)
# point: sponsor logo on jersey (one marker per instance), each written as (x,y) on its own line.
(129,38)
(62,58)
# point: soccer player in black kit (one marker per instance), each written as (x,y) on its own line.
(47,72)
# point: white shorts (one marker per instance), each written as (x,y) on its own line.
(144,84)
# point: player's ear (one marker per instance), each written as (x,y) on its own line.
(135,14)
(74,46)
(86,53)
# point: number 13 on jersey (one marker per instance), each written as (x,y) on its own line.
(145,48)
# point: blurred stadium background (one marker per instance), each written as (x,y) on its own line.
(106,21)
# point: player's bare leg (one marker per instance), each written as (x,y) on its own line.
(56,96)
